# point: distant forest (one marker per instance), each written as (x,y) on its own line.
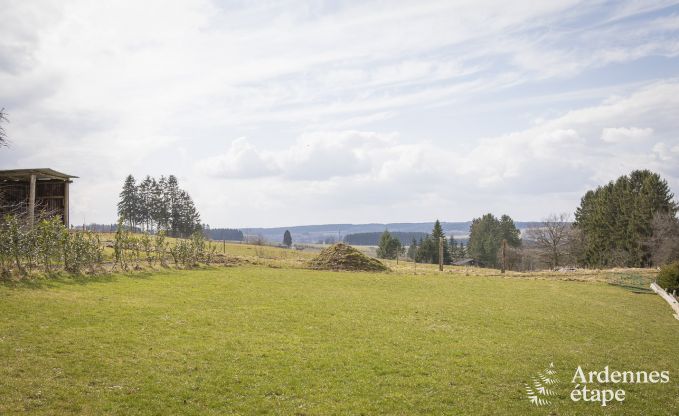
(229,234)
(373,239)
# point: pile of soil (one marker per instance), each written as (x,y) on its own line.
(343,257)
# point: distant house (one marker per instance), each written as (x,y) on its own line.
(466,262)
(31,191)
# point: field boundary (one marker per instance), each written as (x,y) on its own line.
(668,298)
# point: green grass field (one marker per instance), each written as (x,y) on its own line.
(264,339)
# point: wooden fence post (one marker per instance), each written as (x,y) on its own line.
(504,255)
(441,254)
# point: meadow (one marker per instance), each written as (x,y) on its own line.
(266,336)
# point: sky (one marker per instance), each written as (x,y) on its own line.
(307,112)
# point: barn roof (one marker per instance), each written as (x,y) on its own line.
(40,173)
(464,262)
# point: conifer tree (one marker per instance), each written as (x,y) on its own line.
(427,249)
(145,208)
(287,238)
(436,234)
(173,197)
(616,220)
(388,246)
(486,235)
(128,206)
(159,205)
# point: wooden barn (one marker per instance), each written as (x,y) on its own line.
(35,191)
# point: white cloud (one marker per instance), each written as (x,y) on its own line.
(560,155)
(241,160)
(345,106)
(314,156)
(625,134)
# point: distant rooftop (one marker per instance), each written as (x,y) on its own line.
(40,173)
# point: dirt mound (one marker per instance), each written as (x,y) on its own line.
(343,257)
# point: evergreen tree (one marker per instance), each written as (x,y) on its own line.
(437,234)
(427,252)
(388,246)
(616,220)
(173,197)
(128,206)
(287,238)
(437,231)
(509,232)
(189,219)
(145,208)
(486,235)
(159,205)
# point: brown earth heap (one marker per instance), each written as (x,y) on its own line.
(344,257)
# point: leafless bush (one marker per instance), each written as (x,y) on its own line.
(47,245)
(664,242)
(257,240)
(552,238)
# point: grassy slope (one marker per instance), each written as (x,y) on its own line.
(256,340)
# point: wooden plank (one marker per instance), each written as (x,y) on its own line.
(66,219)
(31,201)
(668,298)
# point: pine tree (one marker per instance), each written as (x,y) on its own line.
(156,205)
(145,209)
(189,219)
(388,246)
(509,232)
(437,234)
(287,238)
(174,213)
(161,203)
(128,206)
(427,250)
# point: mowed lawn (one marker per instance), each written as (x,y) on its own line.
(259,340)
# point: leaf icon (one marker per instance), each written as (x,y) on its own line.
(544,378)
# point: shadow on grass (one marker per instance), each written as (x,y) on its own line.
(47,281)
(633,282)
(52,280)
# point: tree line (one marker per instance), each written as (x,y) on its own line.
(629,222)
(424,250)
(373,239)
(155,205)
(229,234)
